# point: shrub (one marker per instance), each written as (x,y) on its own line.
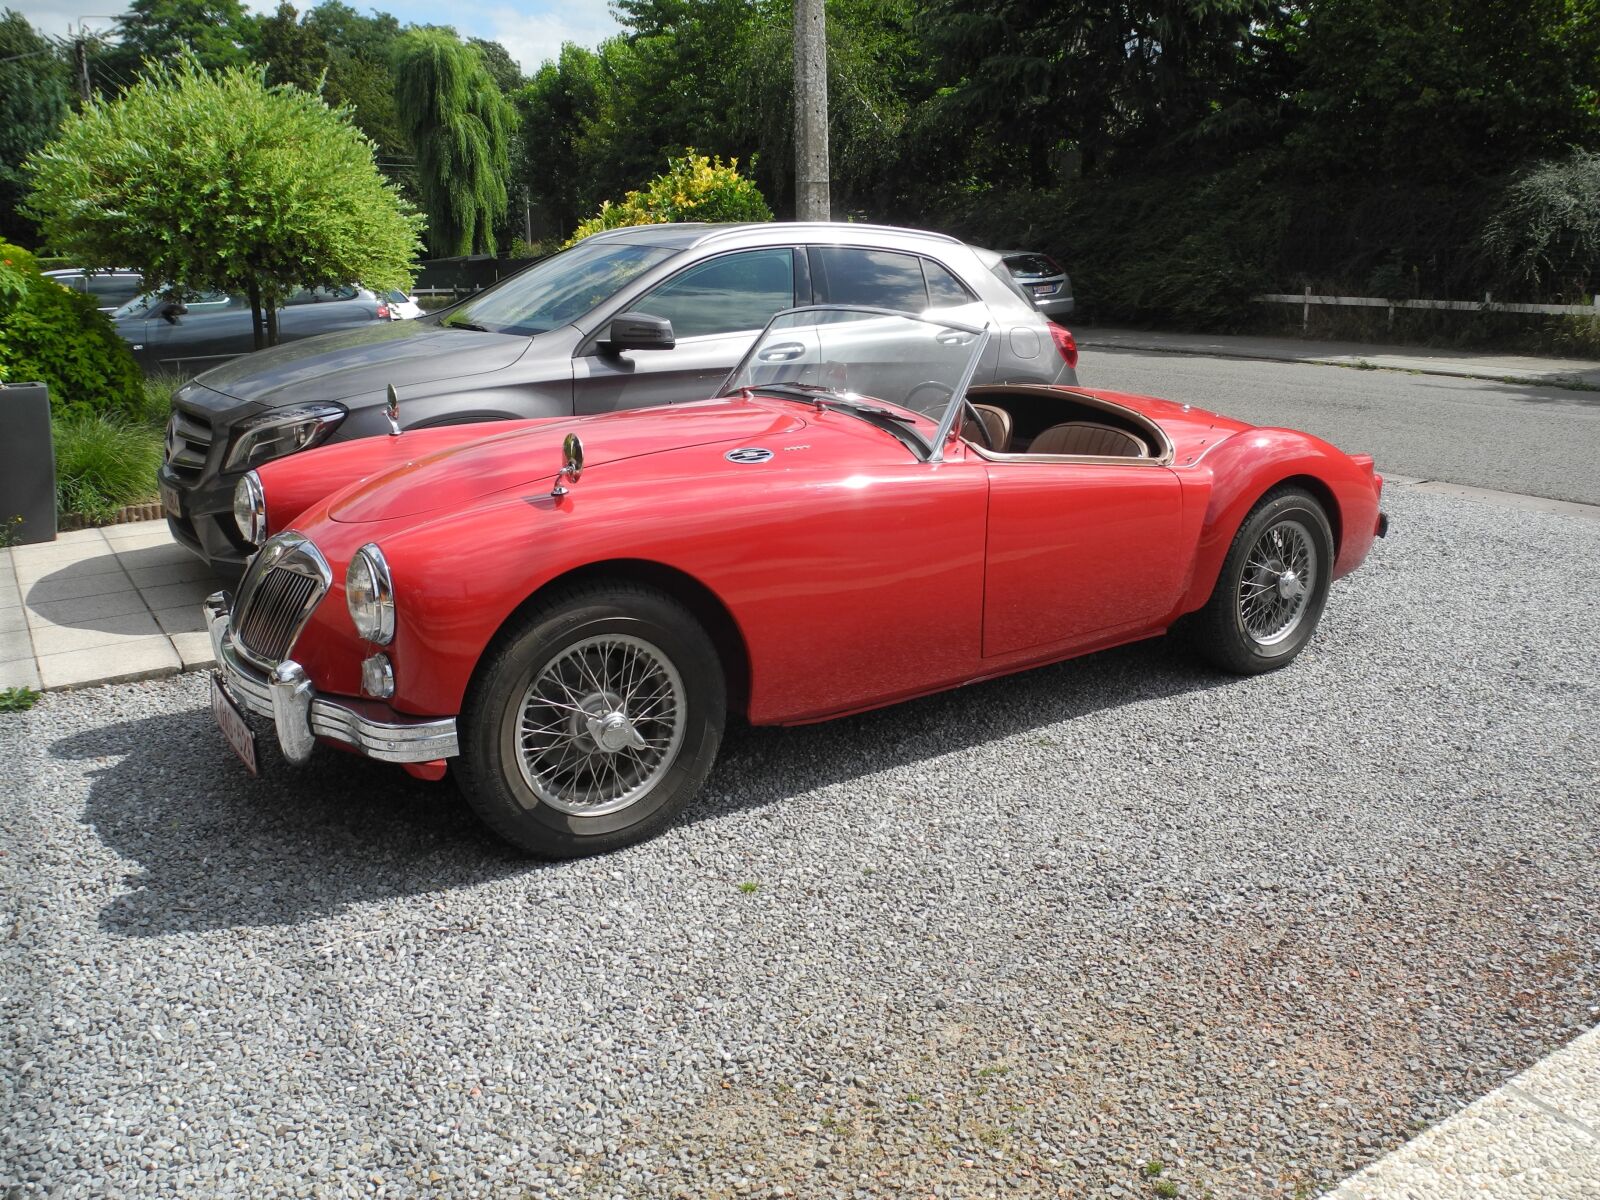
(694,188)
(1545,232)
(103,463)
(51,334)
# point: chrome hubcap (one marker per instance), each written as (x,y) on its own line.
(1279,574)
(600,725)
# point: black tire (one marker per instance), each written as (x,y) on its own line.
(496,777)
(1220,632)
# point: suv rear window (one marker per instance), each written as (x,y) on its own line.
(1032,264)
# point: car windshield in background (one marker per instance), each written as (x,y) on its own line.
(559,290)
(859,355)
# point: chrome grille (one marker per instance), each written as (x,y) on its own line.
(281,587)
(188,439)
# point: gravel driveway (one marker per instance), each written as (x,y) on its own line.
(1021,939)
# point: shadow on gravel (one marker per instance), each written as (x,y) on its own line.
(219,849)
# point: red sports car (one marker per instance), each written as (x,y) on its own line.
(563,612)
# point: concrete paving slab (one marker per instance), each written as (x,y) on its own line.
(73,588)
(13,619)
(73,537)
(19,674)
(194,649)
(87,608)
(53,552)
(185,618)
(154,554)
(146,577)
(16,646)
(121,630)
(136,530)
(1526,1140)
(174,595)
(141,658)
(32,571)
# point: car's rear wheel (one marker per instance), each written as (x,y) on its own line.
(1273,586)
(590,725)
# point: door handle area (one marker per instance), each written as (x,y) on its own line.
(782,352)
(952,337)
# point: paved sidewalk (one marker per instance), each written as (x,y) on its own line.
(102,606)
(1553,372)
(1534,1138)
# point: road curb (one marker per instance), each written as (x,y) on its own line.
(1517,500)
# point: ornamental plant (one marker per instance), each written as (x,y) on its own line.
(214,181)
(694,188)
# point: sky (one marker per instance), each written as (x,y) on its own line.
(532,30)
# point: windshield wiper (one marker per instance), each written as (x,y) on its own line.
(476,328)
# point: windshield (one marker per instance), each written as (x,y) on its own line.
(830,353)
(559,290)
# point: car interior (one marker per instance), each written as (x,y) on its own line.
(1019,420)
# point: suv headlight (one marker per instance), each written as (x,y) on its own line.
(369,595)
(281,431)
(250,509)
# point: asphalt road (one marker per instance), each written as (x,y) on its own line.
(1537,441)
(1025,938)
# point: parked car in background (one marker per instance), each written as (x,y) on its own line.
(401,306)
(193,335)
(111,287)
(629,317)
(1042,279)
(561,613)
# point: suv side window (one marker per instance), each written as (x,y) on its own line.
(114,289)
(729,294)
(878,278)
(944,289)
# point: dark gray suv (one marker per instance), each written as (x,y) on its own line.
(543,343)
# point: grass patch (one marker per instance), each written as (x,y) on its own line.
(155,404)
(749,887)
(17,699)
(1154,1168)
(1166,1189)
(103,463)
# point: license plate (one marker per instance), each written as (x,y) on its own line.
(239,736)
(1044,289)
(169,500)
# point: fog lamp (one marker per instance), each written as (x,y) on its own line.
(377,677)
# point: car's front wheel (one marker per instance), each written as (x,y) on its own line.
(1273,586)
(591,725)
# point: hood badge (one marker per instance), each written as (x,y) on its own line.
(748,454)
(571,464)
(391,410)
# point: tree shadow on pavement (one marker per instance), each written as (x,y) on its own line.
(218,849)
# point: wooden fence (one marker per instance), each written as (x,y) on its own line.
(1487,304)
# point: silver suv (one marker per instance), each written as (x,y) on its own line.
(548,341)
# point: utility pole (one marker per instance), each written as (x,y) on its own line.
(810,112)
(80,56)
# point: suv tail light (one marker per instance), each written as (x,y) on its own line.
(383,311)
(1065,346)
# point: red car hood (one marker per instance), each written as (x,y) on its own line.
(461,475)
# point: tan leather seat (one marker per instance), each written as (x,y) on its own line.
(1089,437)
(996,424)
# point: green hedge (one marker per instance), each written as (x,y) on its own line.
(58,336)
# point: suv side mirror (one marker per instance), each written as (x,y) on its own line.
(172,310)
(639,331)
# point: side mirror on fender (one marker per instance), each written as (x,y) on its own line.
(638,331)
(172,310)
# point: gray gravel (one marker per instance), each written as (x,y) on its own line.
(1021,939)
(1514,437)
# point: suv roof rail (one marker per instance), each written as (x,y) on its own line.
(679,231)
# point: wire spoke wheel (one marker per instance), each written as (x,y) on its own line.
(601,724)
(1278,580)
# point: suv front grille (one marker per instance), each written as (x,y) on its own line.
(282,586)
(188,439)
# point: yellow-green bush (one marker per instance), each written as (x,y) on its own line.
(57,336)
(694,188)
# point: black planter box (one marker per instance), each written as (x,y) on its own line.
(27,463)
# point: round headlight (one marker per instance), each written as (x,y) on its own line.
(250,509)
(369,595)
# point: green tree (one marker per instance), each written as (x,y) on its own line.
(212,180)
(559,107)
(498,62)
(292,50)
(33,101)
(219,33)
(694,188)
(359,78)
(460,127)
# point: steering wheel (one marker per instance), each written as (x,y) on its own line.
(981,425)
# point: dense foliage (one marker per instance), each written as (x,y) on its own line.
(33,101)
(204,180)
(693,188)
(460,126)
(58,337)
(1179,155)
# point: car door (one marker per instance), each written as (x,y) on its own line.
(1078,549)
(717,307)
(215,327)
(310,311)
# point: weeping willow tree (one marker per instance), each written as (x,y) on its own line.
(460,127)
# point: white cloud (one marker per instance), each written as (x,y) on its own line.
(533,38)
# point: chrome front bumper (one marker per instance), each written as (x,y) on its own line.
(301,716)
